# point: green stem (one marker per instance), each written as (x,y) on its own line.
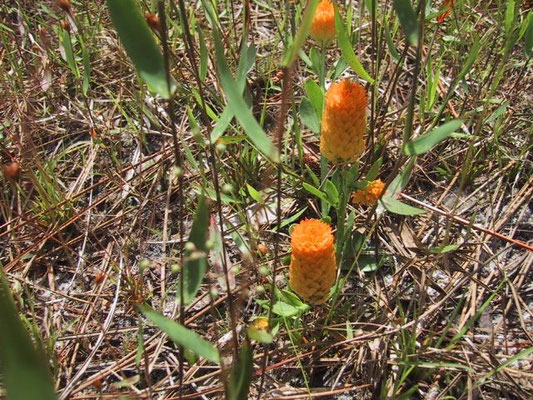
(323,161)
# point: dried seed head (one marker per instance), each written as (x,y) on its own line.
(65,25)
(11,170)
(342,138)
(313,267)
(323,25)
(153,21)
(65,5)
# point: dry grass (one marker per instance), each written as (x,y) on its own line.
(98,194)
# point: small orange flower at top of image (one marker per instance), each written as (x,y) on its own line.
(447,10)
(323,25)
(342,138)
(369,195)
(313,267)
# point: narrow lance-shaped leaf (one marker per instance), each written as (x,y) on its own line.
(253,130)
(140,45)
(398,207)
(299,40)
(25,374)
(241,374)
(181,335)
(426,142)
(408,20)
(347,50)
(196,261)
(528,44)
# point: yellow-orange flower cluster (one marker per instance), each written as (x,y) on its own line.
(313,266)
(342,137)
(323,25)
(369,195)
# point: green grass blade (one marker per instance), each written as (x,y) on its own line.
(305,27)
(241,374)
(528,44)
(181,335)
(476,316)
(25,374)
(140,45)
(424,143)
(472,56)
(195,261)
(408,20)
(347,50)
(253,130)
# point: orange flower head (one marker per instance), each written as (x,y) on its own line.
(313,266)
(342,138)
(323,25)
(369,195)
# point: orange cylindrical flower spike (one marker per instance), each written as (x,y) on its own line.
(342,138)
(313,266)
(369,195)
(323,25)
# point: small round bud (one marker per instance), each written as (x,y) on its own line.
(213,292)
(176,172)
(263,270)
(209,244)
(16,287)
(260,289)
(189,246)
(175,268)
(11,170)
(220,147)
(227,188)
(143,264)
(235,270)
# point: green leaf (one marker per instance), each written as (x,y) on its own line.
(390,43)
(332,192)
(472,56)
(398,207)
(255,194)
(181,335)
(246,58)
(238,106)
(241,374)
(499,111)
(25,373)
(509,15)
(285,310)
(374,169)
(401,180)
(408,20)
(309,116)
(69,53)
(424,143)
(140,45)
(315,95)
(347,50)
(195,266)
(314,191)
(528,44)
(203,55)
(303,31)
(86,69)
(443,249)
